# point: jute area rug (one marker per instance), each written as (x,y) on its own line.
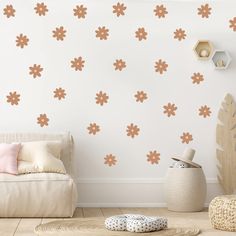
(95,227)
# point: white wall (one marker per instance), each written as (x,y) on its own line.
(133,180)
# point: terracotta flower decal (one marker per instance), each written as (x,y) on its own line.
(197,78)
(43,120)
(119,9)
(204,11)
(13,98)
(232,23)
(35,70)
(110,160)
(140,96)
(160,11)
(161,66)
(153,157)
(80,11)
(102,33)
(170,109)
(59,93)
(132,130)
(93,128)
(21,41)
(9,11)
(77,63)
(59,33)
(101,98)
(141,34)
(119,64)
(41,9)
(204,111)
(179,34)
(186,137)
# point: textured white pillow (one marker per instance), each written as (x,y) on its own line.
(40,156)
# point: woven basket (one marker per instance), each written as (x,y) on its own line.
(222,212)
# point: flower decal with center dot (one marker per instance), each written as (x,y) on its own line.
(110,160)
(59,93)
(80,11)
(132,130)
(13,98)
(197,78)
(35,70)
(204,111)
(42,120)
(204,11)
(180,34)
(21,41)
(93,128)
(140,96)
(77,63)
(102,33)
(160,11)
(119,9)
(141,34)
(41,9)
(119,64)
(186,137)
(59,33)
(160,66)
(9,11)
(232,24)
(101,98)
(170,109)
(153,157)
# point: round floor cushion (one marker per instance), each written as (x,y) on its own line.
(222,212)
(135,223)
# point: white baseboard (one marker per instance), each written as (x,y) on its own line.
(130,192)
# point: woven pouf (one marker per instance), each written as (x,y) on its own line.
(222,212)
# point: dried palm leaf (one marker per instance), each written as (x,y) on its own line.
(226,138)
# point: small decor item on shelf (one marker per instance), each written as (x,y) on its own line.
(188,183)
(204,53)
(220,63)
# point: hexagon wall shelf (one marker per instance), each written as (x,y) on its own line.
(221,59)
(203,49)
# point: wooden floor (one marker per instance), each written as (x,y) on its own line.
(25,226)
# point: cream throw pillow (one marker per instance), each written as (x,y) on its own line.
(40,156)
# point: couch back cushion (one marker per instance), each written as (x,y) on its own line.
(65,138)
(8,158)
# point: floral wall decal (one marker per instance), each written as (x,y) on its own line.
(204,111)
(35,70)
(186,137)
(204,11)
(93,128)
(41,9)
(153,157)
(140,96)
(161,66)
(141,34)
(232,23)
(59,93)
(110,160)
(132,130)
(170,109)
(80,11)
(13,98)
(119,64)
(102,33)
(22,41)
(9,11)
(119,9)
(179,34)
(77,63)
(101,98)
(160,11)
(197,78)
(43,120)
(59,33)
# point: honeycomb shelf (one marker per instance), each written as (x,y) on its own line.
(221,59)
(203,49)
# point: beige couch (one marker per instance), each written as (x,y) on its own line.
(39,194)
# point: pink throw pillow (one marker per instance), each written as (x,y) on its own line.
(8,158)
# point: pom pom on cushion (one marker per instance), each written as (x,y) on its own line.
(40,156)
(8,158)
(135,223)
